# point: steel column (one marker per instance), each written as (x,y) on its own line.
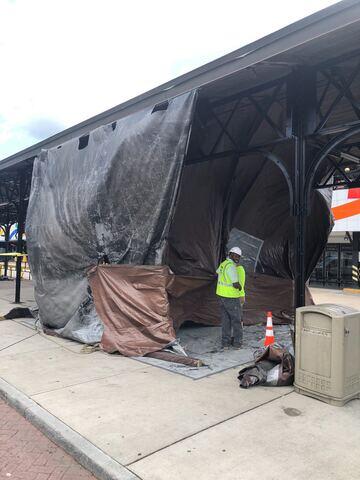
(7,236)
(355,259)
(300,221)
(301,107)
(21,222)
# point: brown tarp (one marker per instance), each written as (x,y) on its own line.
(194,299)
(141,307)
(268,293)
(132,302)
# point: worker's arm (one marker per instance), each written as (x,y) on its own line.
(241,276)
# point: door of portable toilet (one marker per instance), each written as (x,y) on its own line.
(327,365)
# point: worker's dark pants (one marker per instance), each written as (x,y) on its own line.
(231,312)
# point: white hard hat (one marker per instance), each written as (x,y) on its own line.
(236,250)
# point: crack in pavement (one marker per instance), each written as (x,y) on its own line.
(206,428)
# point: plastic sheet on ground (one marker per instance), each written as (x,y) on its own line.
(275,366)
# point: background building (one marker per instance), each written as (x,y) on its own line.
(338,265)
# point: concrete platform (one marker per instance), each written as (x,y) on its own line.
(354,291)
(140,412)
(38,365)
(165,426)
(293,437)
(326,295)
(7,295)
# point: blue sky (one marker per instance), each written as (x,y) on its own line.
(64,61)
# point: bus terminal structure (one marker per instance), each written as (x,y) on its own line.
(291,99)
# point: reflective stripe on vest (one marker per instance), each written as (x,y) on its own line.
(224,285)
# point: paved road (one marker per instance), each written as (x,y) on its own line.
(26,454)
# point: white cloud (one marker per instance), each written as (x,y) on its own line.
(66,60)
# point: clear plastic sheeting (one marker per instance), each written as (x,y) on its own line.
(109,193)
(250,248)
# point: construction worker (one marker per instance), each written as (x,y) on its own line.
(229,292)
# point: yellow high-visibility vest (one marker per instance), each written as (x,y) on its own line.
(241,274)
(225,286)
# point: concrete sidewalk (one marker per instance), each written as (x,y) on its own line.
(165,426)
(7,295)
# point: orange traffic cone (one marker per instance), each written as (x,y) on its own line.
(269,336)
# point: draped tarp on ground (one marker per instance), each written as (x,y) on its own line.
(141,305)
(132,302)
(137,192)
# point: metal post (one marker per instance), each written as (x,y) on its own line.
(301,121)
(300,221)
(7,236)
(355,259)
(21,222)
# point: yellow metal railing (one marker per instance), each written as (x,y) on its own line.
(11,270)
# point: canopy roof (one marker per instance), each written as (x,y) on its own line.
(315,39)
(291,99)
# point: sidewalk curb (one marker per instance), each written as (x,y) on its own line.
(84,452)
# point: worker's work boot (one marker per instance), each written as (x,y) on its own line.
(237,346)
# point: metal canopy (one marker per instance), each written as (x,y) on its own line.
(292,97)
(303,42)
